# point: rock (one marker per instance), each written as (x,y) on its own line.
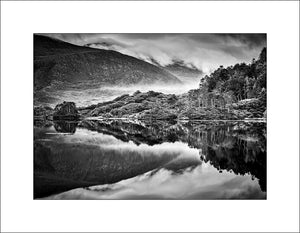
(137,92)
(66,111)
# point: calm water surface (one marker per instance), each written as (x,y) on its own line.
(116,159)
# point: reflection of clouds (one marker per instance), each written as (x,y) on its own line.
(109,143)
(85,137)
(204,182)
(163,181)
(179,148)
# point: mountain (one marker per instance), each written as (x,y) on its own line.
(60,66)
(186,73)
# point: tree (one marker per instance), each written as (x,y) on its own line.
(244,80)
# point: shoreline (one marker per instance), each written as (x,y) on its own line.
(263,120)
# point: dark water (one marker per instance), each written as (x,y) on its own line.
(116,159)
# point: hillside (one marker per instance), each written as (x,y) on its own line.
(235,92)
(62,66)
(189,74)
(158,106)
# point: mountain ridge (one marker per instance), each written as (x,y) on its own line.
(59,65)
(184,72)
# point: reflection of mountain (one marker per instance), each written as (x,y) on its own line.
(240,147)
(66,161)
(60,168)
(61,66)
(105,152)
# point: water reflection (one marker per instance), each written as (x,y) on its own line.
(65,126)
(150,160)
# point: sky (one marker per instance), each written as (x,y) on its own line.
(204,51)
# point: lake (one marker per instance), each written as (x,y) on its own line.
(131,159)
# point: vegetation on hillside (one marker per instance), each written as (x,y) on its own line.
(243,80)
(246,83)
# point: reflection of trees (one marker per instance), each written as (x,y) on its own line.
(244,157)
(42,123)
(237,147)
(233,146)
(150,133)
(65,126)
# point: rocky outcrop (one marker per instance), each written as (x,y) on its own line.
(158,106)
(66,111)
(151,105)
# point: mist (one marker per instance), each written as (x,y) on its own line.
(204,51)
(97,95)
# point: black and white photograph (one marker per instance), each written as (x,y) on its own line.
(149,116)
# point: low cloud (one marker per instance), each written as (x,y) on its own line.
(204,51)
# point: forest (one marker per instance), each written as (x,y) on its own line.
(243,80)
